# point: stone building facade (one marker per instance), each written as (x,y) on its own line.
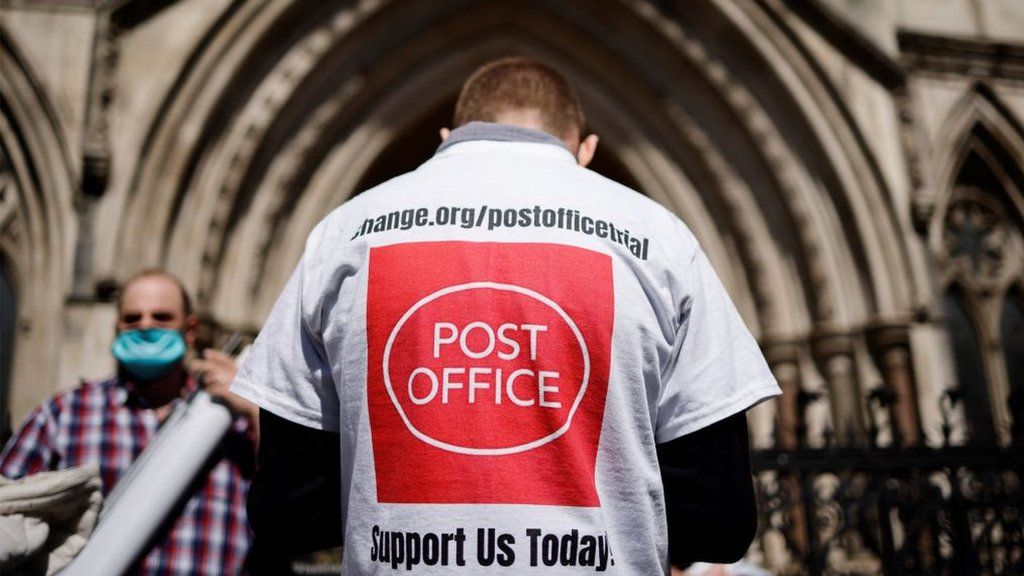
(853,168)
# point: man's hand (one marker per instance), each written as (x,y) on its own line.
(217,370)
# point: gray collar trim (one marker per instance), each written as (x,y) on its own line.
(499,133)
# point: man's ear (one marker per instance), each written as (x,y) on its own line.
(444,134)
(191,331)
(585,153)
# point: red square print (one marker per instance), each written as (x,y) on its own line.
(488,370)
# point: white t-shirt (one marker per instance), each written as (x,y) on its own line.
(501,338)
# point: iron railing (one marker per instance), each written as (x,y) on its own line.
(955,510)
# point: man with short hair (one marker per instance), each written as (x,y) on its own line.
(109,423)
(503,360)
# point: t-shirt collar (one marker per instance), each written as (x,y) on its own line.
(494,132)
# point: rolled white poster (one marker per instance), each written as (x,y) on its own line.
(147,493)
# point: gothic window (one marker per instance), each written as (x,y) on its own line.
(979,242)
(980,252)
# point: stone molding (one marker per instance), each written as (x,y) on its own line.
(961,57)
(845,37)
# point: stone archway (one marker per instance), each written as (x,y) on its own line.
(37,218)
(638,139)
(266,131)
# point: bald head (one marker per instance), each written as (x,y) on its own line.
(521,92)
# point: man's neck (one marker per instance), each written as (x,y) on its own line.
(163,390)
(500,133)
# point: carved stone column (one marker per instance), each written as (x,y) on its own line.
(890,344)
(96,155)
(834,353)
(783,360)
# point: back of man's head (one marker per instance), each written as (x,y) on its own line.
(522,92)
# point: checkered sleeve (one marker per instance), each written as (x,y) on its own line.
(31,450)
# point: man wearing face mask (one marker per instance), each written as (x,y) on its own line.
(109,423)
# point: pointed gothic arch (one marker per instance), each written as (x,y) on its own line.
(37,217)
(193,94)
(980,121)
(253,116)
(279,114)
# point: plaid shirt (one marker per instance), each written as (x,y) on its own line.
(104,423)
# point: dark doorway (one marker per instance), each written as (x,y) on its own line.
(8,331)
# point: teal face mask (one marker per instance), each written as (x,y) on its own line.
(148,354)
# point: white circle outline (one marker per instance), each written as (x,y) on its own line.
(487,451)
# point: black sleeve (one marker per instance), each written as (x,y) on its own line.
(294,502)
(709,493)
